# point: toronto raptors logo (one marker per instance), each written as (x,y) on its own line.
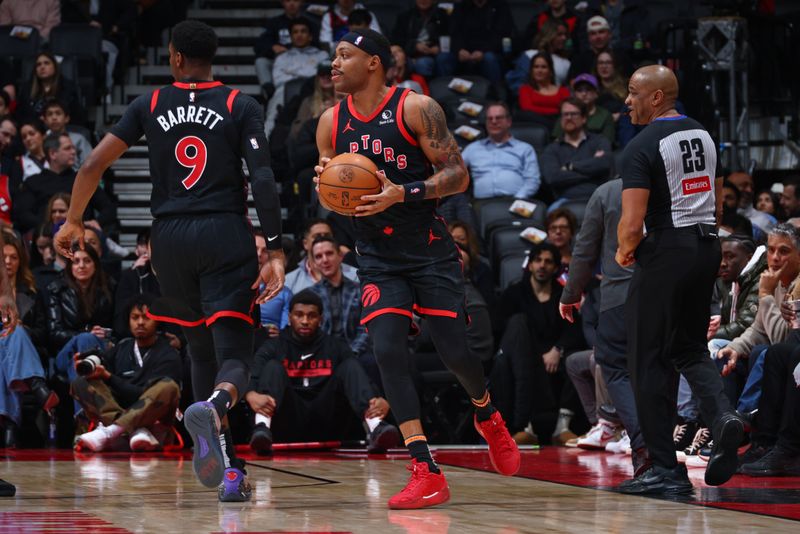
(370,295)
(346,175)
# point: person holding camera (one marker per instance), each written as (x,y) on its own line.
(131,387)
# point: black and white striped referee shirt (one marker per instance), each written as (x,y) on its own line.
(676,159)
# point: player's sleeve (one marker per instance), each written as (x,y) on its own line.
(255,150)
(130,127)
(636,166)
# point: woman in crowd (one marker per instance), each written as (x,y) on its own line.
(480,273)
(551,39)
(768,202)
(400,73)
(32,133)
(80,309)
(562,226)
(613,86)
(540,95)
(23,285)
(48,83)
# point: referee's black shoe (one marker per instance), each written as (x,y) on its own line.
(659,480)
(728,431)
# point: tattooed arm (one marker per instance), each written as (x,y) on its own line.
(427,122)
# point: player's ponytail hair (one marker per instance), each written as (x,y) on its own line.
(195,40)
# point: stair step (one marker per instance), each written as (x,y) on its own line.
(220,18)
(230,55)
(242,4)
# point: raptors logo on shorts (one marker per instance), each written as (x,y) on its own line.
(370,295)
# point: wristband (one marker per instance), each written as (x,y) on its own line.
(414,192)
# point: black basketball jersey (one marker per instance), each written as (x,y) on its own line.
(385,138)
(676,159)
(195,132)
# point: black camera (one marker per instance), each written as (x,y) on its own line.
(88,362)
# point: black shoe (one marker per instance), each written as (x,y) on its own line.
(261,440)
(753,454)
(684,433)
(777,462)
(749,419)
(10,435)
(659,480)
(728,431)
(383,437)
(7,489)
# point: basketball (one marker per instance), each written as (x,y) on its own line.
(344,180)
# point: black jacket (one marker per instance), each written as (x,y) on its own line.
(410,23)
(34,193)
(305,374)
(132,282)
(65,318)
(33,314)
(481,28)
(128,381)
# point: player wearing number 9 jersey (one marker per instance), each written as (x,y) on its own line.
(203,251)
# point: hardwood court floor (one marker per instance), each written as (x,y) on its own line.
(58,491)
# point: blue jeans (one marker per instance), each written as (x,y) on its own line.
(80,343)
(442,64)
(19,361)
(748,400)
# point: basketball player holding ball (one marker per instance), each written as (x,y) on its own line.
(407,260)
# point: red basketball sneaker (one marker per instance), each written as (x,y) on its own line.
(502,450)
(424,489)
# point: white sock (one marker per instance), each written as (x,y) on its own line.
(372,422)
(263,419)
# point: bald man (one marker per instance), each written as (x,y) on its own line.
(671,188)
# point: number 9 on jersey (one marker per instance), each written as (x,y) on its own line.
(191,153)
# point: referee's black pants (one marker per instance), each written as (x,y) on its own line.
(667,316)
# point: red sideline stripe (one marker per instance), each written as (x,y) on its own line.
(383,311)
(231,96)
(154,100)
(228,313)
(197,85)
(434,311)
(174,320)
(400,124)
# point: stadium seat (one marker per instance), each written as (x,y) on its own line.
(492,212)
(386,11)
(511,269)
(442,93)
(16,51)
(536,135)
(83,42)
(577,207)
(506,242)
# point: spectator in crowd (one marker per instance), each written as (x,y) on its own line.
(613,86)
(321,97)
(300,61)
(561,226)
(400,73)
(359,19)
(134,389)
(5,100)
(768,202)
(762,222)
(56,119)
(550,40)
(276,40)
(417,32)
(790,197)
(10,168)
(34,160)
(298,381)
(540,94)
(528,377)
(44,15)
(577,162)
(335,22)
(45,263)
(479,30)
(47,83)
(30,203)
(30,304)
(342,298)
(478,271)
(80,309)
(556,12)
(273,314)
(139,279)
(775,443)
(599,120)
(599,32)
(307,274)
(501,165)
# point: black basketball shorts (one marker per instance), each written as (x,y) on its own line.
(205,265)
(411,271)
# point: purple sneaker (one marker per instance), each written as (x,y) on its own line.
(202,423)
(234,487)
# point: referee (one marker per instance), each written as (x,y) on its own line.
(671,188)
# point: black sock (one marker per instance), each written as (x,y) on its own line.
(230,451)
(418,449)
(222,401)
(483,408)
